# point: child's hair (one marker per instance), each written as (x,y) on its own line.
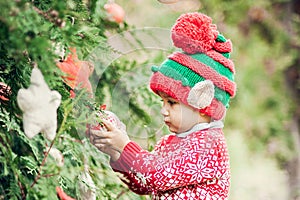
(202,76)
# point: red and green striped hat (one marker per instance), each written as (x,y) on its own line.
(202,75)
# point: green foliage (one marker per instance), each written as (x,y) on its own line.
(39,34)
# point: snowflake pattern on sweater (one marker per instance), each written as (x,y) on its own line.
(193,167)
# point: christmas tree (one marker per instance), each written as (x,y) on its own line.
(50,92)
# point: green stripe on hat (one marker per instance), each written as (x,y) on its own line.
(208,61)
(188,78)
(221,38)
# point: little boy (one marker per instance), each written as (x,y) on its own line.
(195,86)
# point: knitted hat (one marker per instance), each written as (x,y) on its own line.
(202,76)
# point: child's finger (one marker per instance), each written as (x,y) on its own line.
(108,125)
(99,146)
(101,141)
(98,133)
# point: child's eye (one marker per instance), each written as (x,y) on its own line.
(171,102)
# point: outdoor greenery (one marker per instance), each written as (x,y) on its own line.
(262,124)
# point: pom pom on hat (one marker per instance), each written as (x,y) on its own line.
(194,33)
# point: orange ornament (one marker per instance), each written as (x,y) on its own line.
(115,12)
(77,71)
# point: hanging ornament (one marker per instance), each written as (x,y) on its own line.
(98,125)
(39,105)
(5,92)
(114,12)
(87,188)
(57,155)
(109,116)
(62,195)
(77,72)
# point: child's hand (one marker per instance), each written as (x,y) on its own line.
(111,142)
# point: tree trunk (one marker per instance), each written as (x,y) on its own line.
(292,76)
(294,164)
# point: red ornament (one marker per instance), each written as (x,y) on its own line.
(5,91)
(72,94)
(103,107)
(109,116)
(62,195)
(115,12)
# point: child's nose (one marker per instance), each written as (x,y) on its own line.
(164,111)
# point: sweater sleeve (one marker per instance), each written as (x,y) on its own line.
(131,177)
(174,163)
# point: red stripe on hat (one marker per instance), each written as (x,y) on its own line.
(175,89)
(170,86)
(216,110)
(224,47)
(205,71)
(221,59)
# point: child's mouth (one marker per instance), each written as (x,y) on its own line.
(167,123)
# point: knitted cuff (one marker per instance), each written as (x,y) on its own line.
(124,163)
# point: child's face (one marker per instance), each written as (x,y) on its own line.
(178,116)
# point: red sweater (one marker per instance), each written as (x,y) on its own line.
(193,167)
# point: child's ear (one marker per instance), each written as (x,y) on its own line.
(202,94)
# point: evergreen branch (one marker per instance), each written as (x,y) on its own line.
(123,191)
(47,153)
(72,139)
(43,163)
(67,110)
(51,16)
(50,175)
(21,187)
